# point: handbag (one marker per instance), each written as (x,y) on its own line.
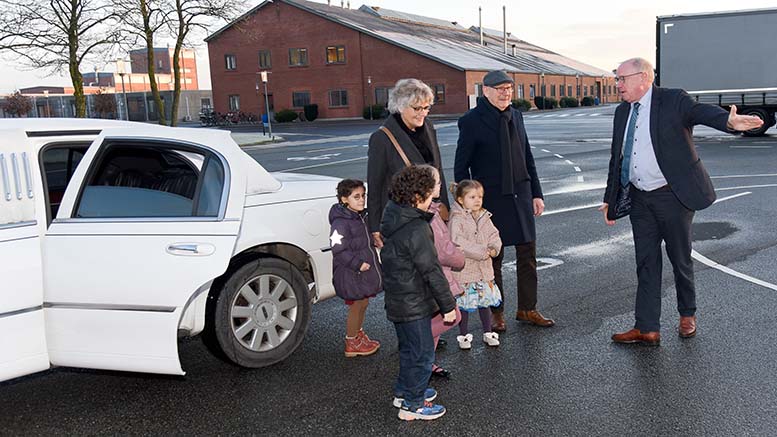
(444,213)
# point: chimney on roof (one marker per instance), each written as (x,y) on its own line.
(480,23)
(504,27)
(514,50)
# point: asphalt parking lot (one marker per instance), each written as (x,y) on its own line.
(567,380)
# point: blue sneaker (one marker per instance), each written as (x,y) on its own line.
(430,394)
(428,411)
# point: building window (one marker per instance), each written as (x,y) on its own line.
(532,90)
(335,55)
(439,93)
(300,99)
(264,59)
(381,96)
(234,102)
(298,57)
(230,61)
(519,89)
(338,98)
(205,103)
(553,90)
(578,91)
(592,90)
(543,90)
(569,90)
(478,89)
(585,91)
(561,90)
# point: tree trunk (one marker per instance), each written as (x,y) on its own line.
(74,65)
(149,37)
(177,86)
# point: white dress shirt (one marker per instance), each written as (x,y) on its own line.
(644,172)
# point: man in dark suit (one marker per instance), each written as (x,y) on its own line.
(653,155)
(493,148)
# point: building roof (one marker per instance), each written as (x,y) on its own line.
(443,41)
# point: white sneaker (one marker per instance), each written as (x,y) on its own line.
(491,338)
(465,341)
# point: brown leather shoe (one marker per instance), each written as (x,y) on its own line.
(637,336)
(534,317)
(498,322)
(687,326)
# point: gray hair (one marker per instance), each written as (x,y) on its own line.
(641,65)
(406,92)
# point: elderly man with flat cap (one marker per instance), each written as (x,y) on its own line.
(493,149)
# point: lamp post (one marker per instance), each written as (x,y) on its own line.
(121,71)
(369,90)
(263,75)
(542,89)
(48,108)
(602,93)
(577,88)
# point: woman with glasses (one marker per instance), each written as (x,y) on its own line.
(406,138)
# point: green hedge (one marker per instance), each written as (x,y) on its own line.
(311,111)
(522,105)
(568,102)
(378,112)
(545,102)
(285,116)
(588,101)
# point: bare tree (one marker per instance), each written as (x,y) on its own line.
(17,104)
(147,20)
(58,35)
(192,17)
(104,104)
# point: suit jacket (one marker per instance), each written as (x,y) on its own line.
(479,157)
(673,114)
(383,162)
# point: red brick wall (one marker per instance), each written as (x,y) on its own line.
(269,29)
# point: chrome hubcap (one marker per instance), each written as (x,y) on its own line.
(263,313)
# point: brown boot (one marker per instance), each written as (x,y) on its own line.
(363,336)
(687,326)
(498,322)
(534,317)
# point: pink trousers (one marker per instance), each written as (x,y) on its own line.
(439,327)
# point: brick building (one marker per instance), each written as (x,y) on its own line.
(136,76)
(343,60)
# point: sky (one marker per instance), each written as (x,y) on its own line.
(599,34)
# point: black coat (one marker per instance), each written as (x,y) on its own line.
(414,283)
(673,114)
(478,156)
(383,162)
(351,246)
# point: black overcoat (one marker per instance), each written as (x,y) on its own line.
(479,157)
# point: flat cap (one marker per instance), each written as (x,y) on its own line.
(497,77)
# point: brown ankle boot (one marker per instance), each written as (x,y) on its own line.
(356,347)
(498,322)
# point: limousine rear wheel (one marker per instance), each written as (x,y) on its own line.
(262,313)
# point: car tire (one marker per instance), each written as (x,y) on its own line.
(763,115)
(261,313)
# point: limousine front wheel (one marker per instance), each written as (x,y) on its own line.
(262,313)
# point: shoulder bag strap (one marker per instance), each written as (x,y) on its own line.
(396,145)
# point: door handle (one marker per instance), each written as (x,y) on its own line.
(191,249)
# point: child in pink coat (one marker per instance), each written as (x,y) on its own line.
(450,257)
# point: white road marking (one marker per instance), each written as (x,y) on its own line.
(332,148)
(595,115)
(750,147)
(576,189)
(708,262)
(577,169)
(746,187)
(564,115)
(580,115)
(580,179)
(546,151)
(596,248)
(723,199)
(549,262)
(570,162)
(324,164)
(745,176)
(574,208)
(313,158)
(558,156)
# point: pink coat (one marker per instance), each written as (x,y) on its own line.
(475,236)
(450,256)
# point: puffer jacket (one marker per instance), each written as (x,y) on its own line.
(351,246)
(413,280)
(475,237)
(450,256)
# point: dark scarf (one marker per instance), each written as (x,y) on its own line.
(511,147)
(419,139)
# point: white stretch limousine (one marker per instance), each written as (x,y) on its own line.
(116,238)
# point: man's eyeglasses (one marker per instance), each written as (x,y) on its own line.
(426,108)
(622,78)
(503,89)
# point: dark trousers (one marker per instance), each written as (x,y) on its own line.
(658,216)
(526,269)
(416,356)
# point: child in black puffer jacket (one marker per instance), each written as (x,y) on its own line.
(356,268)
(416,288)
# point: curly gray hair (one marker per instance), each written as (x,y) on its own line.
(407,92)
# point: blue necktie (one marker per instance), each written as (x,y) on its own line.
(628,145)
